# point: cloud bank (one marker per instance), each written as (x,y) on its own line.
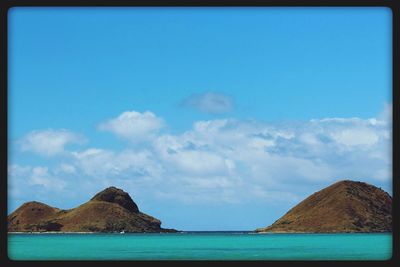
(219,161)
(49,142)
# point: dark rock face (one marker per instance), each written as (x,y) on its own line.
(345,206)
(115,195)
(111,210)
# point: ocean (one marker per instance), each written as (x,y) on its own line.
(200,246)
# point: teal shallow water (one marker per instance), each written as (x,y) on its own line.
(200,246)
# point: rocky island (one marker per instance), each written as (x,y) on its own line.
(111,210)
(345,206)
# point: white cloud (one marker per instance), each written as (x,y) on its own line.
(16,179)
(197,162)
(17,170)
(210,102)
(49,142)
(275,157)
(107,164)
(23,177)
(66,168)
(387,114)
(41,176)
(231,160)
(133,125)
(354,137)
(318,150)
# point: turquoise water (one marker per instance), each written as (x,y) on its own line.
(200,246)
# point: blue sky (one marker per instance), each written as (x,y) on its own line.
(185,107)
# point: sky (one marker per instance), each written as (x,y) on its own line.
(210,118)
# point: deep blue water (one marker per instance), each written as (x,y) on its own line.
(200,246)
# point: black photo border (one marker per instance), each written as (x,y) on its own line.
(7,5)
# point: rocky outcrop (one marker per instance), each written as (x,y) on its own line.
(345,206)
(115,195)
(111,210)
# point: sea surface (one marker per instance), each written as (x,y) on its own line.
(200,246)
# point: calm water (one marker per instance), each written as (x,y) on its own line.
(200,246)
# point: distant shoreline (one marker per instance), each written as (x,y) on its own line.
(201,232)
(52,232)
(289,232)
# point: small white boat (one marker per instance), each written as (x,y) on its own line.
(122,232)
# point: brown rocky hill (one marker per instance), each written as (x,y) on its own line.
(345,206)
(111,210)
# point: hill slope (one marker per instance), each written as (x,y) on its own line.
(111,210)
(345,206)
